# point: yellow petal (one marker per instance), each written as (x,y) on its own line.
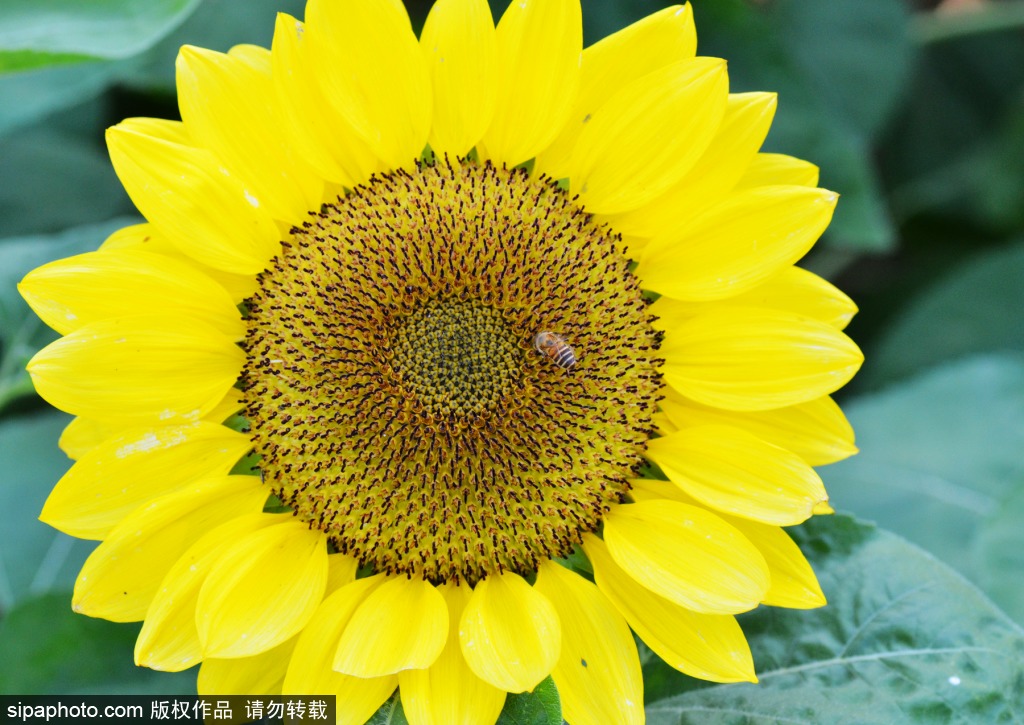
(262,591)
(83,434)
(510,634)
(341,571)
(228,406)
(708,646)
(687,555)
(448,691)
(652,489)
(737,244)
(163,129)
(794,584)
(737,473)
(309,671)
(76,291)
(598,672)
(259,675)
(817,430)
(539,44)
(169,639)
(657,40)
(190,197)
(227,106)
(144,237)
(793,289)
(121,576)
(373,73)
(128,470)
(311,125)
(145,368)
(615,166)
(736,141)
(402,625)
(746,358)
(663,423)
(256,57)
(460,49)
(777,170)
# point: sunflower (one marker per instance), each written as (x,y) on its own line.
(445,363)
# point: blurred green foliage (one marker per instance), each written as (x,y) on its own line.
(915,115)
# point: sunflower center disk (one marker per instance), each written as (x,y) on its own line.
(457,357)
(395,397)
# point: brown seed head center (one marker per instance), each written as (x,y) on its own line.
(396,398)
(456,357)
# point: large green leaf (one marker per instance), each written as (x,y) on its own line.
(34,558)
(999,551)
(44,32)
(904,639)
(58,180)
(941,464)
(27,96)
(21,332)
(976,308)
(50,650)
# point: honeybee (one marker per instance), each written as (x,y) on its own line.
(556,348)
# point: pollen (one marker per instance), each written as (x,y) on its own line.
(396,399)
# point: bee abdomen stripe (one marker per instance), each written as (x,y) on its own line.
(565,357)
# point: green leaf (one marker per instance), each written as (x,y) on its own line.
(27,96)
(941,464)
(975,309)
(53,30)
(999,551)
(22,60)
(904,639)
(34,558)
(21,332)
(50,650)
(60,181)
(998,174)
(390,713)
(540,707)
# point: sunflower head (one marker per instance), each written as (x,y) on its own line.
(378,397)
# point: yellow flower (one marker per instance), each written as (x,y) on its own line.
(320,434)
